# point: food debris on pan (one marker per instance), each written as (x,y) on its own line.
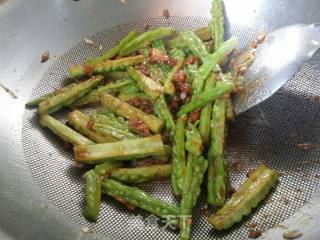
(44,56)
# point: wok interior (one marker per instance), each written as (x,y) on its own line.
(270,133)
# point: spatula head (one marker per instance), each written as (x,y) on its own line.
(277,59)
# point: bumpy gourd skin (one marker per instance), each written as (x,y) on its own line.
(178,160)
(141,174)
(127,111)
(120,151)
(252,191)
(104,68)
(146,38)
(66,98)
(139,198)
(110,54)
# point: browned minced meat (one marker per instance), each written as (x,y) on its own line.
(179,77)
(143,104)
(181,84)
(183,91)
(88,70)
(172,61)
(156,56)
(183,88)
(194,116)
(174,104)
(139,126)
(143,69)
(254,234)
(191,60)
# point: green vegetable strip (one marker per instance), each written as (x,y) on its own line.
(111,121)
(186,201)
(191,70)
(252,191)
(162,69)
(212,60)
(157,73)
(203,33)
(115,122)
(141,175)
(105,169)
(178,157)
(150,87)
(65,133)
(130,88)
(93,195)
(227,77)
(217,23)
(104,68)
(193,140)
(94,95)
(37,101)
(196,168)
(146,38)
(180,57)
(195,44)
(139,198)
(128,96)
(199,169)
(80,122)
(159,44)
(205,117)
(163,112)
(127,111)
(107,130)
(217,173)
(111,53)
(64,99)
(200,101)
(115,75)
(217,128)
(122,150)
(229,110)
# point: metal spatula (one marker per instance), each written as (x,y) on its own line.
(277,59)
